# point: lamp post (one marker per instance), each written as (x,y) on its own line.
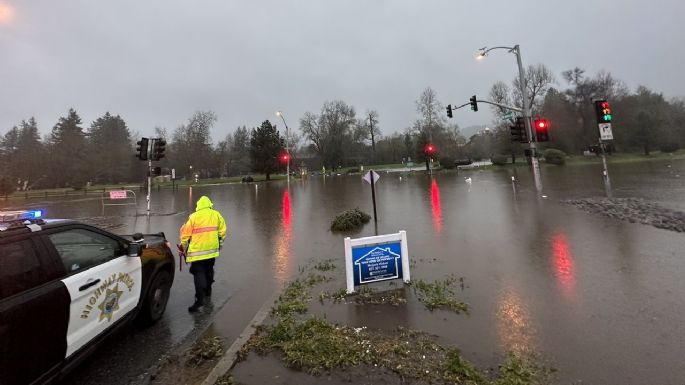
(287,145)
(516,50)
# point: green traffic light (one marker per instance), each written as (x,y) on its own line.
(607,118)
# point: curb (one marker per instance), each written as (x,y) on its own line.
(230,356)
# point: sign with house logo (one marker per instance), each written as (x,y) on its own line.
(374,259)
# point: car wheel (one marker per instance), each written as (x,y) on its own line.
(157,298)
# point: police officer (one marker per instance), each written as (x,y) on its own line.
(202,236)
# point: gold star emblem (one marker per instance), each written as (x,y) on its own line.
(110,303)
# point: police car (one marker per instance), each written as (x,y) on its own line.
(65,285)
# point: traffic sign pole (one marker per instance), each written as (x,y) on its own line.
(373,198)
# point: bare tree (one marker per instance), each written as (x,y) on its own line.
(500,93)
(538,80)
(429,108)
(330,130)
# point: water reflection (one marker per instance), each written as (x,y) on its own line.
(435,206)
(283,256)
(514,324)
(563,265)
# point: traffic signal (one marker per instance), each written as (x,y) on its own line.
(518,131)
(603,111)
(474,103)
(156,171)
(430,149)
(158,148)
(142,147)
(284,157)
(449,111)
(541,130)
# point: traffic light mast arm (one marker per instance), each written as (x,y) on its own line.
(493,103)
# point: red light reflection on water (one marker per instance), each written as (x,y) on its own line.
(435,206)
(563,264)
(285,211)
(283,256)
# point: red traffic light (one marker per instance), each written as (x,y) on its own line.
(541,129)
(284,157)
(429,149)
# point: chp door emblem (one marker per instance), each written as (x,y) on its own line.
(110,303)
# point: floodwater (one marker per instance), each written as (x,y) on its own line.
(600,299)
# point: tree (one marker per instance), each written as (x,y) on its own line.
(69,162)
(192,145)
(111,149)
(538,80)
(371,123)
(266,145)
(430,111)
(9,151)
(329,131)
(28,162)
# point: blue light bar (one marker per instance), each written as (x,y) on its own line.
(36,214)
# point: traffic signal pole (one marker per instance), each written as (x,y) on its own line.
(149,175)
(527,118)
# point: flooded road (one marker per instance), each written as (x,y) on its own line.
(601,299)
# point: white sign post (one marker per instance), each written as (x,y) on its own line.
(605,131)
(372,177)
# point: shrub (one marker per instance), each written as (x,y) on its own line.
(247,179)
(554,156)
(350,220)
(447,162)
(499,160)
(668,147)
(353,171)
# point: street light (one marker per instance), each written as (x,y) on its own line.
(287,146)
(526,109)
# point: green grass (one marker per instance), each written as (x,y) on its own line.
(313,344)
(440,294)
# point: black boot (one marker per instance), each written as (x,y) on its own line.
(196,306)
(209,292)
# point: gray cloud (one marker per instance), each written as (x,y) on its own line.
(154,62)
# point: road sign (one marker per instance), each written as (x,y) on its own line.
(367,177)
(117,194)
(508,116)
(605,131)
(374,259)
(173,173)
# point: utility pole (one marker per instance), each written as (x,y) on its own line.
(287,146)
(149,173)
(516,50)
(526,119)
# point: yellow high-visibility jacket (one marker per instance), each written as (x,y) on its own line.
(205,231)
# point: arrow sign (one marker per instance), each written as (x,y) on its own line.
(367,177)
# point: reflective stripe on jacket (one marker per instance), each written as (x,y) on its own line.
(205,230)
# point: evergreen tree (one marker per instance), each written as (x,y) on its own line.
(68,152)
(111,151)
(30,164)
(266,145)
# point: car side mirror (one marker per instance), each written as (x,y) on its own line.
(135,249)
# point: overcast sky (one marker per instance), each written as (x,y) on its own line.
(155,62)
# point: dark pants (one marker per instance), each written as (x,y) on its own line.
(203,276)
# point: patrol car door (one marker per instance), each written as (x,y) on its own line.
(103,282)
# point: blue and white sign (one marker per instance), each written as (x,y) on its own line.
(373,259)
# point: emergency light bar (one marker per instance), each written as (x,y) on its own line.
(20,215)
